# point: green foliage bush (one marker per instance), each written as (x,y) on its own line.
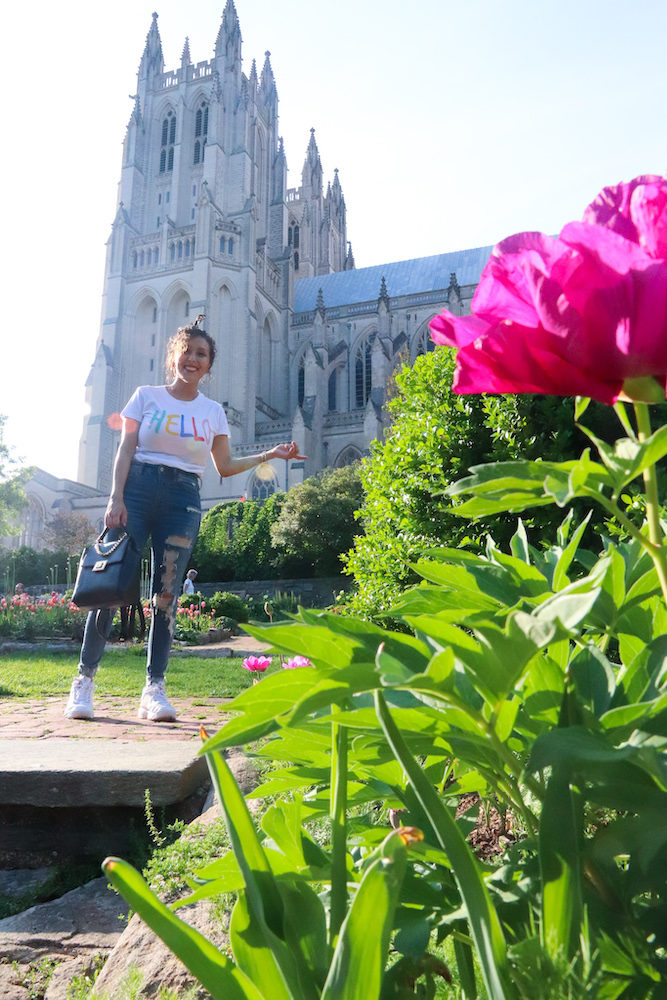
(317,524)
(435,437)
(226,605)
(234,542)
(301,533)
(35,569)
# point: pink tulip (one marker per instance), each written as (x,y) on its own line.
(257,664)
(584,313)
(297,661)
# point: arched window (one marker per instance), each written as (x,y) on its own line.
(301,384)
(423,343)
(230,245)
(168,140)
(362,374)
(332,390)
(222,244)
(293,236)
(347,456)
(264,483)
(296,261)
(201,131)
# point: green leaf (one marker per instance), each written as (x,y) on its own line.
(262,899)
(484,924)
(254,948)
(594,679)
(220,977)
(560,578)
(559,849)
(360,958)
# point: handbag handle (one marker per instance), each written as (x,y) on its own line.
(114,545)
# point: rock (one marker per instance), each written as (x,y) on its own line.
(59,987)
(10,983)
(83,922)
(141,957)
(20,882)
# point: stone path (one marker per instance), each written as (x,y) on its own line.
(116,718)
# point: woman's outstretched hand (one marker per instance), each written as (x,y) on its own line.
(287,451)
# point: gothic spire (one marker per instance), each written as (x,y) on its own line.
(228,42)
(384,294)
(252,81)
(185,55)
(311,174)
(152,60)
(267,81)
(319,305)
(349,260)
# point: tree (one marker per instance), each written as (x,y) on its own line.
(317,521)
(70,531)
(435,437)
(234,541)
(12,480)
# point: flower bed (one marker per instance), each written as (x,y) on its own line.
(54,616)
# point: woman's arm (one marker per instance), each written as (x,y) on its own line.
(228,466)
(116,512)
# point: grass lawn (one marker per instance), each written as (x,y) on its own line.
(121,674)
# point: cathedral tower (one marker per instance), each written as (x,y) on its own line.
(205,224)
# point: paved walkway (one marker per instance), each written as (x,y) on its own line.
(116,718)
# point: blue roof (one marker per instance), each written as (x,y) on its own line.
(403,277)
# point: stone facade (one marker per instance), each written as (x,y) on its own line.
(205,223)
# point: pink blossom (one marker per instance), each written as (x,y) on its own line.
(297,661)
(257,664)
(584,313)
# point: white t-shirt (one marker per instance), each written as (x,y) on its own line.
(175,432)
(188,586)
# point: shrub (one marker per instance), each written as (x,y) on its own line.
(226,605)
(435,437)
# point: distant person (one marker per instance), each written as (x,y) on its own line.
(189,582)
(168,432)
(18,590)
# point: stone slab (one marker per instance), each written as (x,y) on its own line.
(61,772)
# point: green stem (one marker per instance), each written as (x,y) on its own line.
(658,553)
(337,813)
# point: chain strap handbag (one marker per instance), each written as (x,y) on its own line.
(108,575)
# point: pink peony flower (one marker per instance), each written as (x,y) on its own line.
(297,661)
(257,664)
(584,313)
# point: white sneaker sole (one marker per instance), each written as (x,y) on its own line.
(162,715)
(79,713)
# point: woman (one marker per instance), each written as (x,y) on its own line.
(168,433)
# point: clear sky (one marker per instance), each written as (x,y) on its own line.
(453,123)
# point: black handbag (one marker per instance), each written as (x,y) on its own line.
(108,575)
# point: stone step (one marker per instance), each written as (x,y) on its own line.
(62,772)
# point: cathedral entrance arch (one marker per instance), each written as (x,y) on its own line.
(347,456)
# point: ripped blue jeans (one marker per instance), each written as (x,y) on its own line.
(163,505)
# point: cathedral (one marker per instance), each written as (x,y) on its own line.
(205,223)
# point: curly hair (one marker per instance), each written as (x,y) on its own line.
(177,344)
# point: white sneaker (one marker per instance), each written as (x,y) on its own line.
(80,704)
(154,704)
